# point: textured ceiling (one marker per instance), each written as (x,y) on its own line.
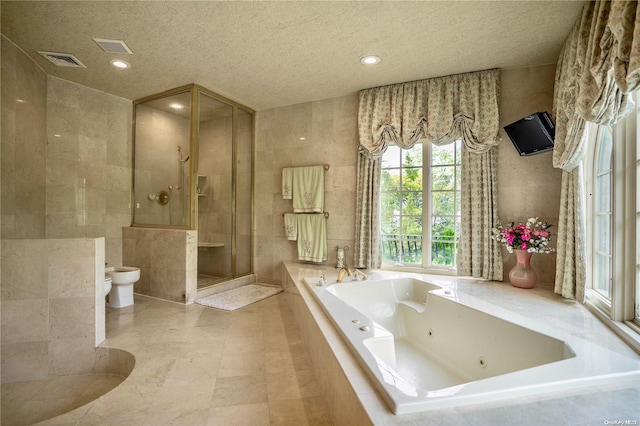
(269,53)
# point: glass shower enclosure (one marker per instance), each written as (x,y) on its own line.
(193,170)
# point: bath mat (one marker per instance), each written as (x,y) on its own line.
(238,297)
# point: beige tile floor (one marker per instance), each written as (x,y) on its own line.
(201,366)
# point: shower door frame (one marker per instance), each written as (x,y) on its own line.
(195,93)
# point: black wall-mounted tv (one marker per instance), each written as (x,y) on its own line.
(533,134)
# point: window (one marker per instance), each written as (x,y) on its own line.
(602,214)
(612,181)
(636,235)
(413,195)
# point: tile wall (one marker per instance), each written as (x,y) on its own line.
(66,157)
(53,312)
(88,165)
(168,262)
(66,153)
(24,114)
(329,129)
(158,135)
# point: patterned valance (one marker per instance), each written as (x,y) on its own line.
(438,110)
(594,75)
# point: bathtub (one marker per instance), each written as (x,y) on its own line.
(425,346)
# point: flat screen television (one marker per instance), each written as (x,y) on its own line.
(533,134)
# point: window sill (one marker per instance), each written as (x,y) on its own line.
(627,331)
(418,270)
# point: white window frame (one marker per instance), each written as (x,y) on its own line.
(594,134)
(427,212)
(625,273)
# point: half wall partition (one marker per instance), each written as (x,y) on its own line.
(193,170)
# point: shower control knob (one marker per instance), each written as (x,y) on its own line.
(162,197)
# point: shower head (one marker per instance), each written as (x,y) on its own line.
(180,159)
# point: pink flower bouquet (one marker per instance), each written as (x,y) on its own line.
(532,236)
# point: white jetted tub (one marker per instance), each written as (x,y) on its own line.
(427,347)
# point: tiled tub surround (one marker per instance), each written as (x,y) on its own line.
(427,346)
(353,399)
(26,403)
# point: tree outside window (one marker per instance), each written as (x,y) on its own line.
(413,195)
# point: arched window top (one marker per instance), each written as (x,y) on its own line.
(603,150)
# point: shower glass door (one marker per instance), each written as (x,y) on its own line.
(215,190)
(193,170)
(162,156)
(244,192)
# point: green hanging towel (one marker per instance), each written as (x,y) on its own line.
(312,237)
(308,189)
(291,226)
(287,183)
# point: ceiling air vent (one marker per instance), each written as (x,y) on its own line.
(63,59)
(113,46)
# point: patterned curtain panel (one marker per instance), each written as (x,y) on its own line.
(440,111)
(598,66)
(368,249)
(478,254)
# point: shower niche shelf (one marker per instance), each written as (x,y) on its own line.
(204,246)
(200,189)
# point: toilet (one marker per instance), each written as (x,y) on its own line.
(122,279)
(107,285)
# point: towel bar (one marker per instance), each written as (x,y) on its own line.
(326,214)
(324,166)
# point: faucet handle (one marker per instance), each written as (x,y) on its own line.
(358,275)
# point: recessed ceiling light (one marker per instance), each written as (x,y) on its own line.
(370,60)
(176,106)
(119,63)
(302,138)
